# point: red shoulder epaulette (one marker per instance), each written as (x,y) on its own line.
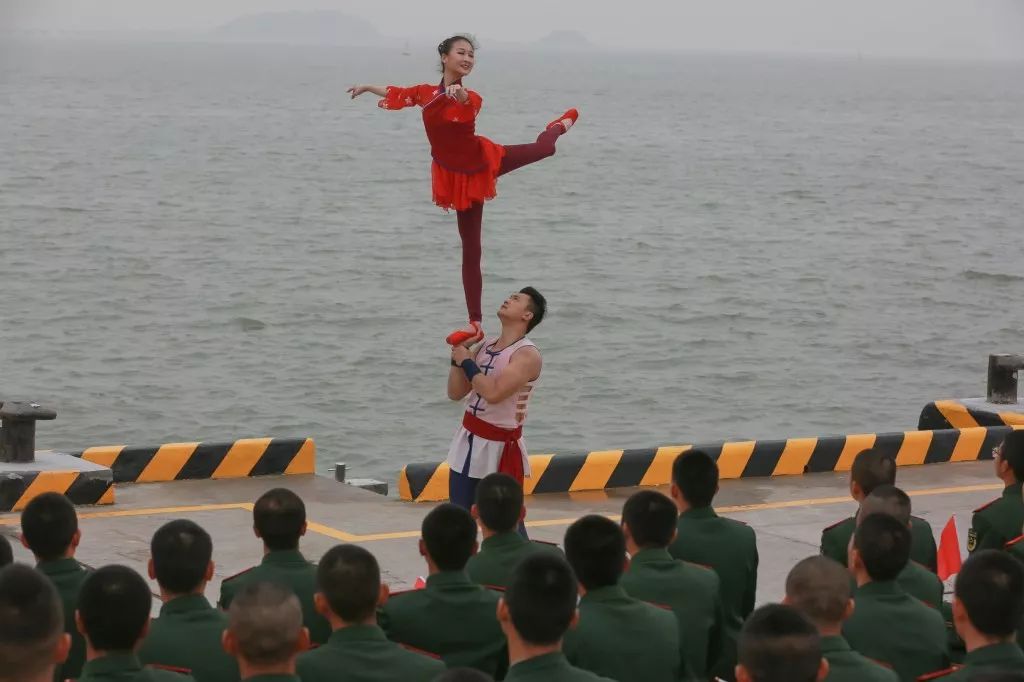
(986,505)
(495,588)
(706,567)
(1013,542)
(938,673)
(664,607)
(544,542)
(232,577)
(169,668)
(421,652)
(881,663)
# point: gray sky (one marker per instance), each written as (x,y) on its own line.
(955,28)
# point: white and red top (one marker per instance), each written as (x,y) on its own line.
(484,454)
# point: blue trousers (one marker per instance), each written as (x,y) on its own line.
(462,488)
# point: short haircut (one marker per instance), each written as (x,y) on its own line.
(541,598)
(651,517)
(266,621)
(6,553)
(695,473)
(449,532)
(31,622)
(1013,453)
(596,550)
(819,588)
(883,544)
(349,578)
(499,502)
(887,499)
(114,603)
(990,586)
(49,523)
(538,306)
(871,469)
(278,516)
(779,644)
(463,675)
(181,553)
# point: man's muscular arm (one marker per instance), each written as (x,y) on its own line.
(523,367)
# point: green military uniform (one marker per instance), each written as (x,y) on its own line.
(989,659)
(67,575)
(273,678)
(918,581)
(289,569)
(451,617)
(625,639)
(836,539)
(846,665)
(1016,547)
(188,635)
(997,522)
(730,548)
(550,668)
(691,591)
(890,626)
(500,554)
(362,653)
(126,667)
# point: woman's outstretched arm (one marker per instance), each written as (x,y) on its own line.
(379,90)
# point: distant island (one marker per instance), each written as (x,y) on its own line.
(327,27)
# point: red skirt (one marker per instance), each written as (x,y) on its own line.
(459,191)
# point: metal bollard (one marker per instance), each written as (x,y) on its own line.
(1002,378)
(18,432)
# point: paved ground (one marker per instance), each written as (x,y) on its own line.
(788,514)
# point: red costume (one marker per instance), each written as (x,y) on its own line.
(466,166)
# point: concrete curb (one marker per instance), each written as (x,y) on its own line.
(81,487)
(605,469)
(964,414)
(182,461)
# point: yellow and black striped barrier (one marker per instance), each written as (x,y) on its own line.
(653,466)
(956,414)
(90,487)
(183,461)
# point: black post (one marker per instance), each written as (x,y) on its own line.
(18,432)
(1002,378)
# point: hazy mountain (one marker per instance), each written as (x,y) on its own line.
(565,40)
(320,27)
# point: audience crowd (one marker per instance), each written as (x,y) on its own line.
(667,594)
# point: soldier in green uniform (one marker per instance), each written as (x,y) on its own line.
(499,510)
(726,545)
(779,643)
(49,529)
(188,633)
(32,637)
(617,636)
(888,625)
(655,576)
(6,554)
(999,521)
(988,605)
(452,616)
(915,579)
(538,608)
(279,519)
(870,470)
(819,588)
(350,590)
(265,633)
(113,615)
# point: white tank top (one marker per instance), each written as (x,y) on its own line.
(511,412)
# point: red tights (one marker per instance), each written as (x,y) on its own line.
(471,220)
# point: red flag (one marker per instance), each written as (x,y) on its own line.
(949,550)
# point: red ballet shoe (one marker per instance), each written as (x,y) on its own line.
(474,332)
(566,120)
